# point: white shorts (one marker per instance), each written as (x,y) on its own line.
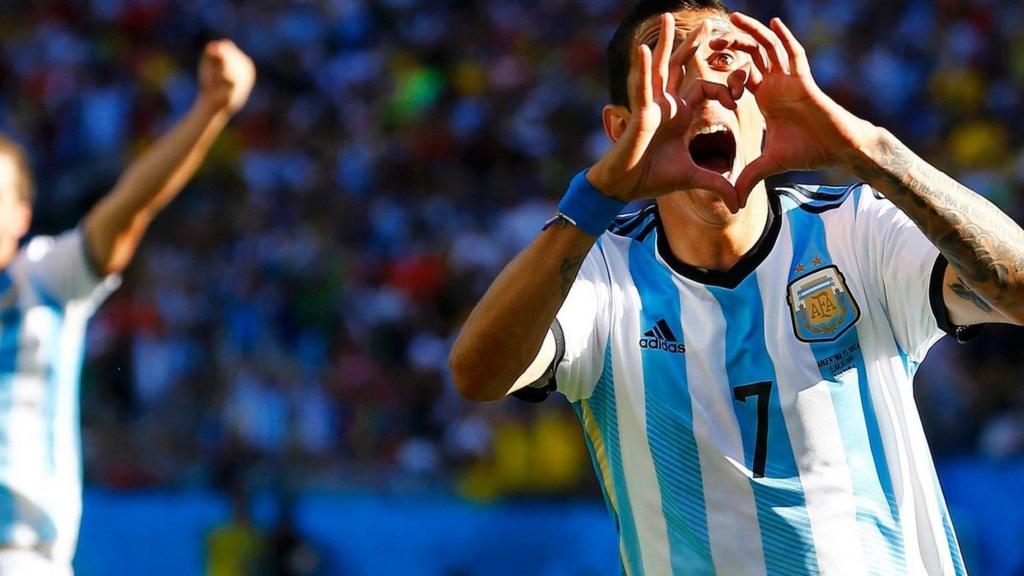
(14,562)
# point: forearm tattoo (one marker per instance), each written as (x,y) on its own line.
(984,245)
(568,270)
(965,293)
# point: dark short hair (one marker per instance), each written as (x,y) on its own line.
(620,49)
(23,183)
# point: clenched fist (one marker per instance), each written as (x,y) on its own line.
(226,77)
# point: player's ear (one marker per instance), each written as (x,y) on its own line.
(615,119)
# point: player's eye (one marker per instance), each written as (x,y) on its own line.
(723,59)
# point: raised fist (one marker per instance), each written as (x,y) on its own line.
(226,76)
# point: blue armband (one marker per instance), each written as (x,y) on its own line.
(588,209)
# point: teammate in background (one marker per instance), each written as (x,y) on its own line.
(49,288)
(742,359)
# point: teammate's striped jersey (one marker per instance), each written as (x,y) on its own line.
(762,421)
(46,295)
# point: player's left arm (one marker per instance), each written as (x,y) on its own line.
(984,246)
(808,130)
(116,225)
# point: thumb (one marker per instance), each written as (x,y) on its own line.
(753,173)
(716,184)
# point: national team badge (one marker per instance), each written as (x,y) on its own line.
(821,304)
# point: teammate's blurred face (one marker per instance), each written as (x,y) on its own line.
(719,139)
(15,212)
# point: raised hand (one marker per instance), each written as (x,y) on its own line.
(226,77)
(650,158)
(806,129)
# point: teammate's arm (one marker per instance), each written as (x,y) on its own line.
(806,129)
(115,226)
(506,329)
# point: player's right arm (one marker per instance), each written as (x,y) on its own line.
(504,333)
(506,330)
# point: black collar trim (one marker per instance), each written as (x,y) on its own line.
(747,264)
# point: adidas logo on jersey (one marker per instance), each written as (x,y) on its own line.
(661,338)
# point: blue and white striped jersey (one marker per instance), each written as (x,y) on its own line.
(46,295)
(762,421)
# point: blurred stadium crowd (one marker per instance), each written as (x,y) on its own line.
(289,318)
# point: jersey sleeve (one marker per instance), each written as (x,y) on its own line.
(906,269)
(571,359)
(583,322)
(60,270)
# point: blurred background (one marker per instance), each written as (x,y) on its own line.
(267,393)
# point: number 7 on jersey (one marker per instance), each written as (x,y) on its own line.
(763,391)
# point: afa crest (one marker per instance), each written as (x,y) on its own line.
(821,305)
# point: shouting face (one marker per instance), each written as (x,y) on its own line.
(718,139)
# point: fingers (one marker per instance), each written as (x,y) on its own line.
(663,52)
(747,44)
(644,89)
(737,81)
(797,54)
(754,77)
(700,90)
(218,50)
(685,52)
(716,184)
(213,49)
(224,59)
(641,93)
(758,170)
(226,76)
(778,58)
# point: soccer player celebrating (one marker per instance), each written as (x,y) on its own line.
(48,290)
(741,359)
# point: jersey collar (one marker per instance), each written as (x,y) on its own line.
(747,264)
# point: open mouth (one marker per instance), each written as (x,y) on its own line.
(714,148)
